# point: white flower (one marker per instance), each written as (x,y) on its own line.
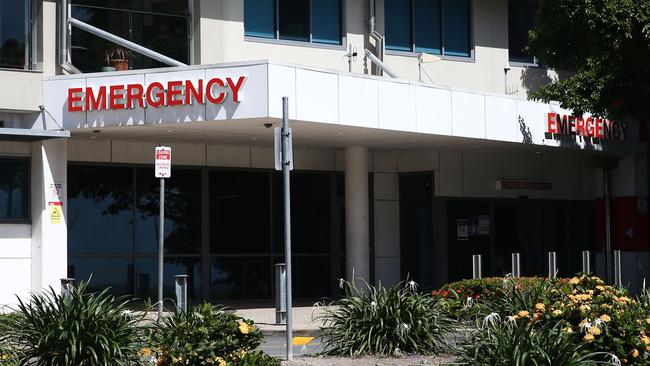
(598,322)
(585,327)
(373,304)
(412,285)
(490,320)
(397,352)
(511,321)
(470,302)
(341,283)
(614,360)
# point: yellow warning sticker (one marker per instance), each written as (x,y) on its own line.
(55,214)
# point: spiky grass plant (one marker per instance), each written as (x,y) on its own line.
(521,342)
(384,321)
(81,329)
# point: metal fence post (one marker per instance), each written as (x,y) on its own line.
(280,293)
(586,262)
(516,265)
(552,264)
(477,269)
(618,280)
(67,284)
(180,283)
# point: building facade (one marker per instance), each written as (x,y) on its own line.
(414,147)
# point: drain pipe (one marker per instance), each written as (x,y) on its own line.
(372,32)
(63,33)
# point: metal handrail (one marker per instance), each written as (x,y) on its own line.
(124,43)
(382,65)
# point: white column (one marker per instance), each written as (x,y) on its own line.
(49,231)
(357,213)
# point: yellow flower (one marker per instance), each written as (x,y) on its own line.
(595,331)
(540,307)
(600,288)
(146,351)
(244,328)
(221,362)
(523,314)
(647,321)
(634,353)
(574,281)
(585,308)
(4,357)
(645,340)
(557,312)
(588,338)
(568,330)
(605,318)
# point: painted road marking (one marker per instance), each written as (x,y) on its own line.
(302,341)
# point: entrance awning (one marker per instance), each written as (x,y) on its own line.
(27,135)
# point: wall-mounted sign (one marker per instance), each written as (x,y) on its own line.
(598,128)
(462,229)
(163,162)
(56,212)
(520,185)
(55,192)
(155,95)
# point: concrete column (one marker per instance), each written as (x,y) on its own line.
(357,213)
(49,229)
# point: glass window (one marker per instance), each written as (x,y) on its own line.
(14,189)
(240,278)
(182,212)
(457,33)
(294,20)
(398,25)
(521,19)
(100,210)
(427,21)
(240,201)
(14,31)
(326,25)
(103,272)
(259,18)
(163,29)
(146,276)
(317,21)
(178,7)
(417,26)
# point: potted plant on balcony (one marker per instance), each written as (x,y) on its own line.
(118,58)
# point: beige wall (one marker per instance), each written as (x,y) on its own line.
(220,38)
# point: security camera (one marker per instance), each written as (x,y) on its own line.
(268,125)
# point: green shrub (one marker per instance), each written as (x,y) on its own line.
(80,329)
(9,356)
(476,298)
(521,342)
(384,321)
(207,335)
(603,317)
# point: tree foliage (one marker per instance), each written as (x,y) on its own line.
(607,44)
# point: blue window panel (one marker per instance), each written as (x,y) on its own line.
(326,21)
(259,18)
(398,25)
(294,20)
(427,26)
(457,28)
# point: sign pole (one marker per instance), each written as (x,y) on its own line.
(163,170)
(286,167)
(161,247)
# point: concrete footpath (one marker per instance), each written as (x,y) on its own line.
(304,320)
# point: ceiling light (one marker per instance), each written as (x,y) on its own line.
(170,131)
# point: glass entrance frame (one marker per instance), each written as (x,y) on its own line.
(223,227)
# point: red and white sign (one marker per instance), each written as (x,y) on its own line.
(599,128)
(155,95)
(163,162)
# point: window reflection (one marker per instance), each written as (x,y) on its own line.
(240,278)
(13,33)
(14,189)
(100,210)
(146,276)
(161,26)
